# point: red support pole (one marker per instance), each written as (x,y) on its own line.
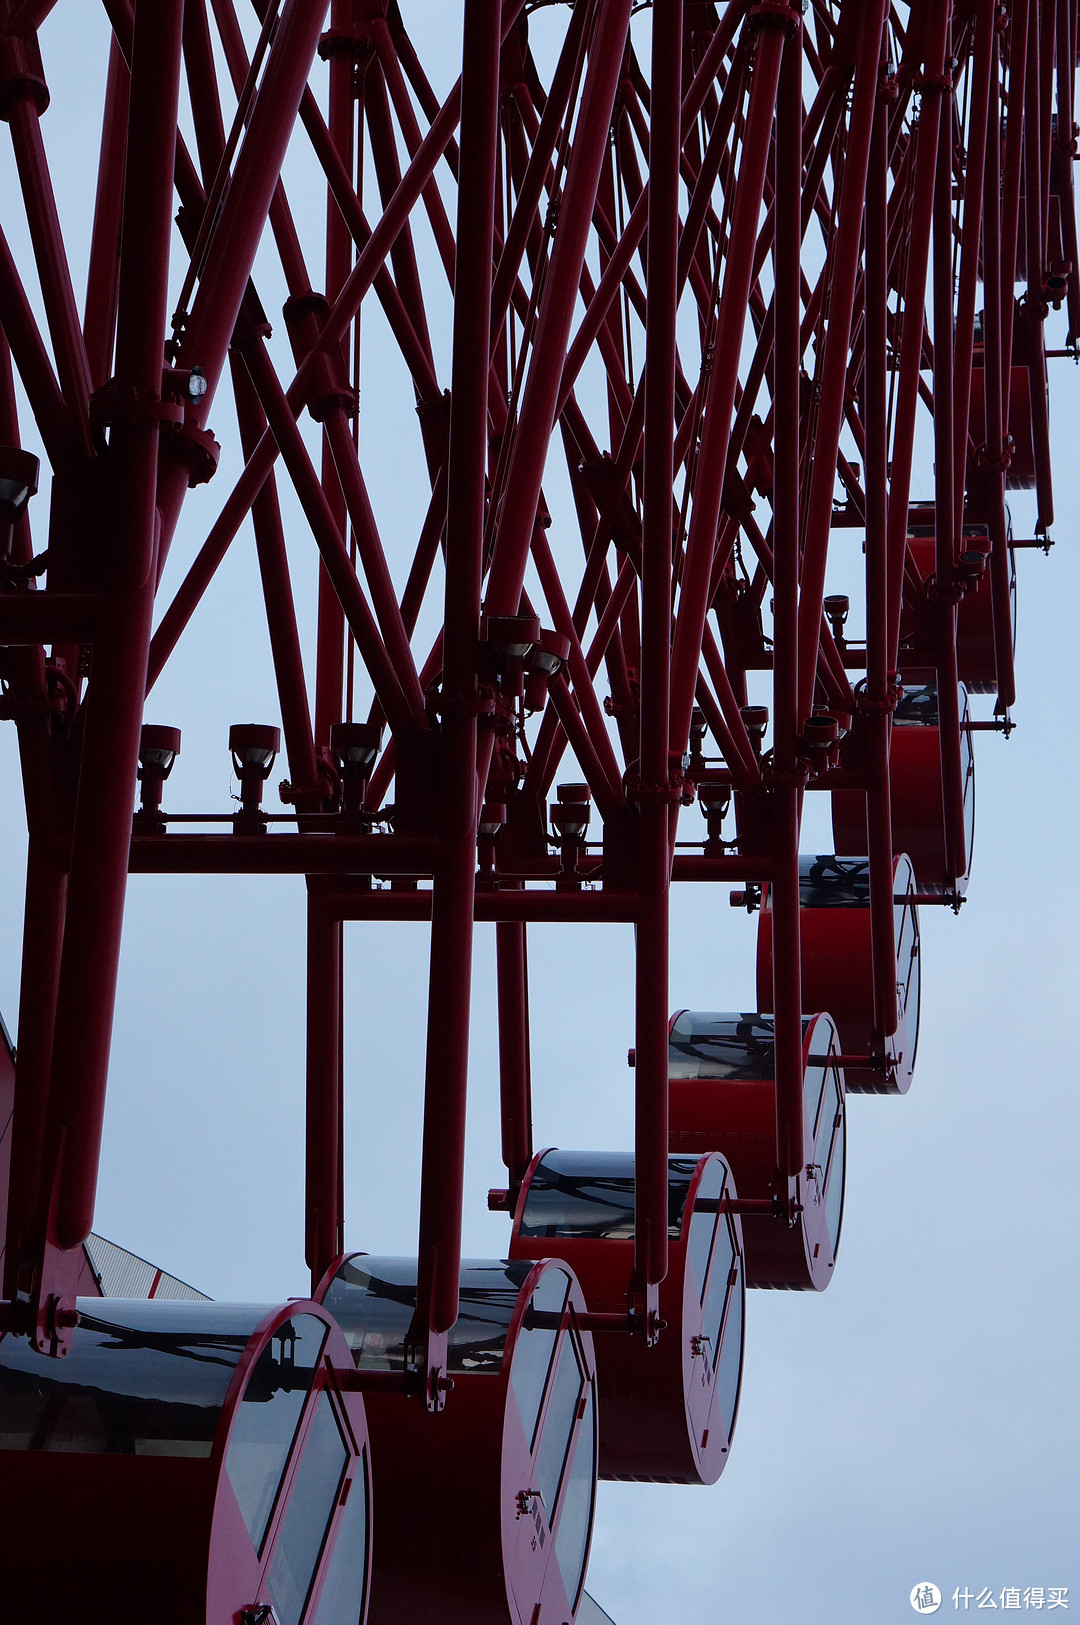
(914,318)
(994,365)
(323,1224)
(54,272)
(330,697)
(515,1081)
(844,265)
(945,553)
(723,379)
(99,319)
(971,247)
(540,397)
(656,791)
(102,830)
(280,608)
(789,766)
(447,1063)
(878,687)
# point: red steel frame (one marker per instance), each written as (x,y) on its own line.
(760,243)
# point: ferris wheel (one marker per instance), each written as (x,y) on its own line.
(594,539)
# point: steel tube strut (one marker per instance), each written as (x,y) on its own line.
(99,855)
(515,1083)
(323,1234)
(654,858)
(450,980)
(723,379)
(880,693)
(537,413)
(844,258)
(790,768)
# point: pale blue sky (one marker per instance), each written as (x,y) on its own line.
(920,1419)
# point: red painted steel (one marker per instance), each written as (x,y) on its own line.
(667,1415)
(716,274)
(724,1092)
(244,1485)
(514,1457)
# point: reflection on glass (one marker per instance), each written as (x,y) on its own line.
(266,1419)
(835,1167)
(373,1300)
(729,1372)
(558,1424)
(534,1348)
(712,1319)
(912,1004)
(967,774)
(907,962)
(918,706)
(590,1194)
(341,1600)
(575,1516)
(703,1224)
(735,1046)
(313,1496)
(814,1078)
(827,881)
(144,1377)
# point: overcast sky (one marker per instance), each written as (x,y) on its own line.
(916,1422)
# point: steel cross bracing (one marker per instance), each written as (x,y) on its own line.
(716,270)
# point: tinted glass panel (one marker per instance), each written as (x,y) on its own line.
(703,1224)
(823,1045)
(313,1496)
(919,706)
(835,1167)
(341,1600)
(575,1517)
(967,773)
(912,1005)
(142,1378)
(907,969)
(266,1419)
(534,1348)
(736,1046)
(590,1194)
(373,1300)
(727,1378)
(832,882)
(558,1422)
(719,1288)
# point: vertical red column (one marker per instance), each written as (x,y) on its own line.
(128,522)
(450,978)
(512,972)
(944,490)
(654,854)
(787,370)
(331,623)
(323,1239)
(878,686)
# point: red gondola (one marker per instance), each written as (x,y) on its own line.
(723,1098)
(837,971)
(1020,472)
(204,1461)
(917,808)
(667,1413)
(976,663)
(510,1466)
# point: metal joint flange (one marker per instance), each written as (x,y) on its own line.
(788,14)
